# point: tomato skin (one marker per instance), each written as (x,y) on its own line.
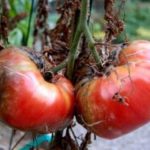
(135,51)
(27,101)
(111,106)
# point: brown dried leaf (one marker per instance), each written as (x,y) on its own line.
(62,31)
(114,24)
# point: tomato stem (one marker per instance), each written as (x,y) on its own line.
(74,45)
(82,28)
(73,53)
(91,43)
(60,66)
(29,24)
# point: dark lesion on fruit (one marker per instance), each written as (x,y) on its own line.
(119,98)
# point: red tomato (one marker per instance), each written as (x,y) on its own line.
(27,101)
(111,106)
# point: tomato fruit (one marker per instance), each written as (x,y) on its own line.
(27,101)
(136,51)
(113,105)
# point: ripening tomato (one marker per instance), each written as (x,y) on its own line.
(113,105)
(27,101)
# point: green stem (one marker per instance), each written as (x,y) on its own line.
(92,45)
(74,45)
(82,27)
(59,67)
(73,53)
(29,24)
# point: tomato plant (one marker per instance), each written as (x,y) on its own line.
(27,101)
(113,105)
(111,83)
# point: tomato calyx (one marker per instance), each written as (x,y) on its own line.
(87,69)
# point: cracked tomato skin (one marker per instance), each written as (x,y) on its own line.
(27,101)
(111,106)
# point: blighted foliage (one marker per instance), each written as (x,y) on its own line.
(63,30)
(4,28)
(41,29)
(62,34)
(109,52)
(4,24)
(114,25)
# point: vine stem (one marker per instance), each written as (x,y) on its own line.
(92,46)
(29,23)
(82,28)
(74,45)
(59,67)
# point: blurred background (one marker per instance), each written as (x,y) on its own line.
(135,14)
